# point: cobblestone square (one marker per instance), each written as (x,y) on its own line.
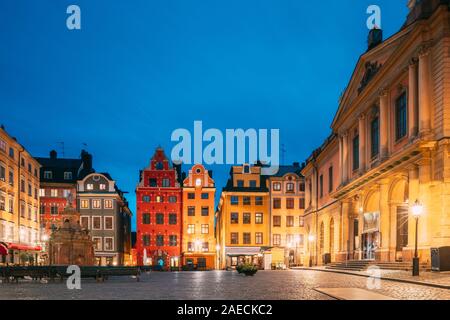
(215,285)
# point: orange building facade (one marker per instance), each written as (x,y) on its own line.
(198,241)
(390,144)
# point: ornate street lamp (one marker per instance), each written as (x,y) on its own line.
(311,239)
(417,211)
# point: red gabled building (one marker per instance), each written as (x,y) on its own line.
(159,205)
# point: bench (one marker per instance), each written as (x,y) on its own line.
(60,272)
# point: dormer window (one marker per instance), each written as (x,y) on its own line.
(67,175)
(159,166)
(246,168)
(48,175)
(198,182)
(102,186)
(89,186)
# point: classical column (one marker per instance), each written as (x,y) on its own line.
(413,95)
(362,143)
(383,250)
(345,241)
(424,90)
(341,163)
(384,123)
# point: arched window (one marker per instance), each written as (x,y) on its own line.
(322,237)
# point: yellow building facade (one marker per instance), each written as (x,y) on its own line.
(391,140)
(243,218)
(287,206)
(19,203)
(198,242)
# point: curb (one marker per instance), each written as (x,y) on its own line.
(421,283)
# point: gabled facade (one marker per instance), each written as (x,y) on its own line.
(287,206)
(104,211)
(243,218)
(159,207)
(198,242)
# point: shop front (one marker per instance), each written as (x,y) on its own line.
(236,256)
(18,254)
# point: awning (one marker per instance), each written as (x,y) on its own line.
(14,246)
(3,249)
(242,251)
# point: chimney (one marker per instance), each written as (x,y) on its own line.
(375,38)
(53,155)
(86,158)
(296,165)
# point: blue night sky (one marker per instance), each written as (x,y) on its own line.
(140,69)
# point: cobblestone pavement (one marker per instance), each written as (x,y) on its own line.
(265,285)
(442,278)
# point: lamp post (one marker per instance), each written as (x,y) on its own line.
(311,239)
(417,210)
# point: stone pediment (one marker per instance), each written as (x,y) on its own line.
(368,67)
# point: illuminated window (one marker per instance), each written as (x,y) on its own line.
(205,228)
(277,239)
(191,229)
(259,238)
(290,187)
(259,218)
(108,204)
(96,204)
(84,204)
